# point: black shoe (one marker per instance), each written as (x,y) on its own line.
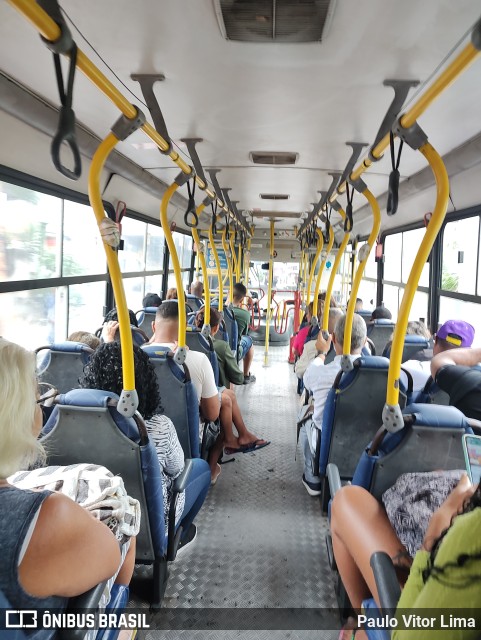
(311,488)
(187,540)
(250,378)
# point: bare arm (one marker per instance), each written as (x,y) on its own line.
(466,357)
(69,552)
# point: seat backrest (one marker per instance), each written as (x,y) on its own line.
(430,440)
(197,342)
(231,328)
(380,332)
(413,346)
(83,428)
(145,317)
(432,394)
(63,364)
(353,413)
(194,302)
(178,398)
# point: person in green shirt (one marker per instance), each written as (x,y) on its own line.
(229,372)
(243,319)
(445,573)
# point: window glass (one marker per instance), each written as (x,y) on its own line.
(391,299)
(452,309)
(83,251)
(185,279)
(187,252)
(179,246)
(30,227)
(34,318)
(85,306)
(370,270)
(134,292)
(153,284)
(392,257)
(460,255)
(132,257)
(411,242)
(368,292)
(155,247)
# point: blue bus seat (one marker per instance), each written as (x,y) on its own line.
(194,302)
(85,427)
(352,415)
(178,398)
(63,364)
(380,331)
(197,342)
(232,329)
(413,348)
(145,317)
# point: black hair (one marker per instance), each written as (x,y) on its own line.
(151,300)
(381,313)
(104,371)
(168,310)
(437,572)
(239,291)
(113,315)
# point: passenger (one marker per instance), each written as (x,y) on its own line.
(230,413)
(197,289)
(359,305)
(113,315)
(301,337)
(85,338)
(52,549)
(445,573)
(311,347)
(243,319)
(452,372)
(381,313)
(166,331)
(104,371)
(111,326)
(319,379)
(451,335)
(172,294)
(151,300)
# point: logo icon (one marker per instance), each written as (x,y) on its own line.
(20,619)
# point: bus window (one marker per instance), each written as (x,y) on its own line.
(155,250)
(460,256)
(132,257)
(85,306)
(81,234)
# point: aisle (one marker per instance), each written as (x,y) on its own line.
(261,536)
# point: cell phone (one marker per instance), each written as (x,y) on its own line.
(472,455)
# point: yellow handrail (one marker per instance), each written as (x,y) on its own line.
(128,399)
(332,277)
(229,266)
(323,264)
(233,254)
(313,266)
(50,30)
(164,221)
(269,293)
(391,411)
(376,224)
(320,245)
(246,257)
(219,270)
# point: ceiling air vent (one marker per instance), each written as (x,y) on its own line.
(274,196)
(274,20)
(277,158)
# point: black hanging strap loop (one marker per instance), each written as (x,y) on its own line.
(348,219)
(214,217)
(191,207)
(393,188)
(66,124)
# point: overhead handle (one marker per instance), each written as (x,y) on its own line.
(147,81)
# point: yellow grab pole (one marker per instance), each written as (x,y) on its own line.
(323,264)
(269,294)
(219,270)
(311,272)
(239,263)
(201,258)
(376,223)
(247,257)
(354,263)
(50,30)
(392,413)
(164,220)
(332,277)
(128,401)
(225,246)
(320,245)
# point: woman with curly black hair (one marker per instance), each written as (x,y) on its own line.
(444,574)
(104,371)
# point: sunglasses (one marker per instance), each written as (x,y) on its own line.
(46,392)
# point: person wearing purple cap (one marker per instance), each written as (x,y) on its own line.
(453,334)
(453,371)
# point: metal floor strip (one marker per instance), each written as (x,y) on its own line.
(260,540)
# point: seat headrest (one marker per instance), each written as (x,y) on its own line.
(87,398)
(419,341)
(70,347)
(434,415)
(150,310)
(371,362)
(156,351)
(383,322)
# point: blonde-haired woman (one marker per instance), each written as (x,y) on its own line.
(52,549)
